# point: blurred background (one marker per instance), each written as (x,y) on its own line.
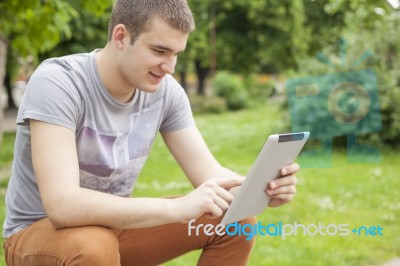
(248,69)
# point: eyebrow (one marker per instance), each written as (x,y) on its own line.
(165,48)
(162,47)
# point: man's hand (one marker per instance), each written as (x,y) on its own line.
(211,198)
(282,190)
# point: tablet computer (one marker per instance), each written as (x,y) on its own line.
(278,151)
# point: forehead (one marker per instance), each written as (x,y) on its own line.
(159,32)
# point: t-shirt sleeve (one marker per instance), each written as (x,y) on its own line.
(51,96)
(178,113)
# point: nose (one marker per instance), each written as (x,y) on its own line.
(168,66)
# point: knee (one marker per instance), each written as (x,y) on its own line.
(250,220)
(95,245)
(248,238)
(233,248)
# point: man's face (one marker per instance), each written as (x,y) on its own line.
(153,55)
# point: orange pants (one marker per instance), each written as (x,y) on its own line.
(42,244)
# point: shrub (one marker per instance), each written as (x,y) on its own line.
(204,104)
(230,87)
(378,51)
(258,91)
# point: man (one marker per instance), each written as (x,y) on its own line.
(86,125)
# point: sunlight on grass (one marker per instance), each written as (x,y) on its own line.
(348,193)
(7,149)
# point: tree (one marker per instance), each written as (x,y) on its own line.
(380,24)
(32,27)
(258,36)
(368,54)
(3,54)
(27,27)
(89,32)
(199,48)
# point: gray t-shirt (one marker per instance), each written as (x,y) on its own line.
(113,139)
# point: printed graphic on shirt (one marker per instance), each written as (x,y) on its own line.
(111,164)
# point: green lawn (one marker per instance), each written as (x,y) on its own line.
(356,194)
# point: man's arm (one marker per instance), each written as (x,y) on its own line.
(55,162)
(190,150)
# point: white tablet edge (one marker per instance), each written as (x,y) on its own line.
(278,151)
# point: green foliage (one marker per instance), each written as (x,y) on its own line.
(385,60)
(198,47)
(242,92)
(258,91)
(34,26)
(373,49)
(37,26)
(230,87)
(389,88)
(90,32)
(208,104)
(260,36)
(314,108)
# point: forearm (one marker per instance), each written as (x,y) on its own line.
(80,207)
(194,157)
(216,171)
(227,173)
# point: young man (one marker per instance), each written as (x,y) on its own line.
(86,125)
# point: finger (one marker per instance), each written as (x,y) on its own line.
(278,202)
(214,188)
(235,190)
(228,183)
(225,195)
(221,203)
(283,196)
(289,180)
(215,211)
(290,169)
(281,190)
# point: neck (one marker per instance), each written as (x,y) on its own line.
(111,78)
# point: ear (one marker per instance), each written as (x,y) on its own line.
(120,36)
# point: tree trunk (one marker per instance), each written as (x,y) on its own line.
(183,80)
(213,39)
(202,73)
(3,58)
(8,88)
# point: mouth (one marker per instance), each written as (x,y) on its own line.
(156,77)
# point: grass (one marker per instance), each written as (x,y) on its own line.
(356,194)
(6,155)
(7,150)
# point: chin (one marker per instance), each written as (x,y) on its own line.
(150,89)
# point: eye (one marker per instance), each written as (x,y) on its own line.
(158,51)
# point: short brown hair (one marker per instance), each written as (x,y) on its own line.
(135,14)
